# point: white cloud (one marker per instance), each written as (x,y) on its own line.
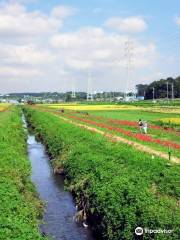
(63,11)
(38,55)
(16,21)
(94,47)
(9,71)
(25,55)
(131,24)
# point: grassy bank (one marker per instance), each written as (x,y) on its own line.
(19,205)
(118,188)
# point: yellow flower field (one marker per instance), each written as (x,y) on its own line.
(171,120)
(84,107)
(3,106)
(165,109)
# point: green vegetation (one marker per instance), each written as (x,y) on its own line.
(118,187)
(160,88)
(134,115)
(107,117)
(19,204)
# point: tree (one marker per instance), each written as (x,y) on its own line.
(141,89)
(160,88)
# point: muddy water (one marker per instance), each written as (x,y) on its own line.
(60,208)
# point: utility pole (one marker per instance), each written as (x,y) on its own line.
(89,90)
(167,91)
(153,93)
(144,93)
(129,48)
(172,91)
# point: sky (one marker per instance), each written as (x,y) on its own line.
(58,45)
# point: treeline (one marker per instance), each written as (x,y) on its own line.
(161,87)
(55,97)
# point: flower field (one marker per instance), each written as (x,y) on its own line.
(118,187)
(114,107)
(93,107)
(161,138)
(4,106)
(175,121)
(138,136)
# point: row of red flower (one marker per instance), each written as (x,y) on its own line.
(138,136)
(127,123)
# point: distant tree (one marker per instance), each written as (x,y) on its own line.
(141,89)
(30,102)
(160,88)
(68,97)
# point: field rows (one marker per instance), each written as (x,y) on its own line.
(158,138)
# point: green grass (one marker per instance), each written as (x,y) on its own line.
(120,188)
(155,133)
(134,115)
(19,205)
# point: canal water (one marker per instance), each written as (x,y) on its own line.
(58,222)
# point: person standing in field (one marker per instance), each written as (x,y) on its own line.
(145,126)
(140,123)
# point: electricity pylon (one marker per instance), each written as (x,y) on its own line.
(89,89)
(73,94)
(129,49)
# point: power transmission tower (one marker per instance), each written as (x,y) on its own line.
(89,90)
(129,49)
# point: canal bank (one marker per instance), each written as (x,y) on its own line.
(58,219)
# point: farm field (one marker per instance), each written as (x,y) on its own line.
(89,120)
(161,135)
(114,106)
(4,106)
(117,187)
(19,205)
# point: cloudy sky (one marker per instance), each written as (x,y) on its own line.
(53,45)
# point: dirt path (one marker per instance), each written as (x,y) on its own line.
(116,138)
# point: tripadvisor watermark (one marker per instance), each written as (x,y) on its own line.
(140,231)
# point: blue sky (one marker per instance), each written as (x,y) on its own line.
(57,42)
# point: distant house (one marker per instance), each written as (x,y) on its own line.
(119,98)
(13,101)
(129,99)
(140,97)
